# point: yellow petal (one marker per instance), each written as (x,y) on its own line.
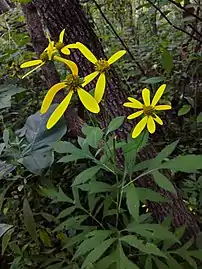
(146,96)
(62,36)
(100,87)
(73,67)
(72,46)
(137,103)
(50,96)
(158,94)
(50,50)
(86,52)
(135,115)
(139,127)
(31,63)
(59,111)
(162,107)
(116,56)
(157,119)
(28,73)
(151,126)
(65,50)
(88,101)
(89,78)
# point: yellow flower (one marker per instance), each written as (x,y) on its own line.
(73,84)
(148,110)
(101,66)
(48,54)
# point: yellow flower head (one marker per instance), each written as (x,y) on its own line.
(101,66)
(73,84)
(148,109)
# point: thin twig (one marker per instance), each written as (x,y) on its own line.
(186,10)
(174,26)
(119,38)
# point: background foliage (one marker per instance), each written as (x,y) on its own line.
(67,204)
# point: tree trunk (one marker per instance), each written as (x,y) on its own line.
(4,6)
(68,14)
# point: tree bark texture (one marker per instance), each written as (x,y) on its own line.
(68,14)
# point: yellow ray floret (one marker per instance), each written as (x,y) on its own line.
(73,84)
(101,67)
(148,109)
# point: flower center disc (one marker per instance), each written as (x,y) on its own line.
(101,66)
(73,82)
(148,110)
(59,45)
(44,56)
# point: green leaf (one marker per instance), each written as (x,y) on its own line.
(199,118)
(93,135)
(45,238)
(6,136)
(122,261)
(97,252)
(163,182)
(96,187)
(2,195)
(163,154)
(92,242)
(167,60)
(150,195)
(160,264)
(57,196)
(153,249)
(184,110)
(86,175)
(133,241)
(64,147)
(6,92)
(152,231)
(5,240)
(106,261)
(196,254)
(115,124)
(172,263)
(4,228)
(154,80)
(132,201)
(186,163)
(73,222)
(29,220)
(66,212)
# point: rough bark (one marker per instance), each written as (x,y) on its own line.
(68,14)
(4,6)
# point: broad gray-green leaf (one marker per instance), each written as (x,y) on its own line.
(154,80)
(5,240)
(6,136)
(2,146)
(6,169)
(6,92)
(132,201)
(186,163)
(4,228)
(184,110)
(86,175)
(115,124)
(38,160)
(97,252)
(163,181)
(93,135)
(29,220)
